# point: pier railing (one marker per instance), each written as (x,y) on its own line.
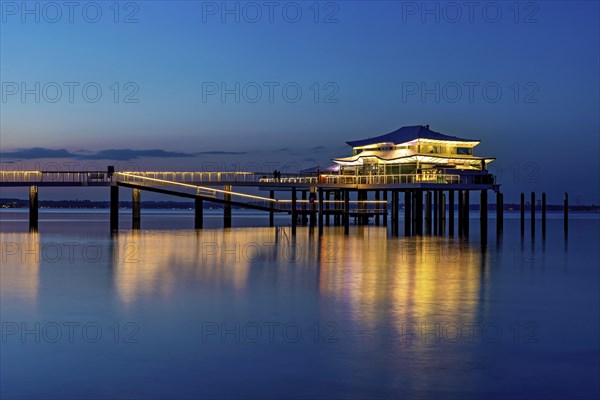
(368,179)
(196,190)
(67,177)
(199,177)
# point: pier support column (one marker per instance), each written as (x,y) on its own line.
(461,210)
(407,212)
(451,212)
(337,207)
(419,212)
(320,211)
(327,207)
(227,208)
(532,213)
(312,207)
(566,213)
(442,218)
(522,213)
(483,213)
(385,216)
(436,205)
(271,206)
(428,212)
(294,211)
(198,213)
(395,212)
(499,212)
(544,213)
(346,194)
(304,216)
(467,209)
(33,208)
(114,208)
(135,209)
(377,208)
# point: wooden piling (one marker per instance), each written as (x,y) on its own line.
(428,212)
(543,213)
(436,204)
(227,207)
(451,212)
(320,211)
(377,208)
(566,212)
(466,213)
(271,207)
(114,208)
(532,213)
(407,212)
(461,210)
(135,208)
(499,212)
(522,213)
(198,213)
(346,212)
(33,208)
(294,212)
(385,216)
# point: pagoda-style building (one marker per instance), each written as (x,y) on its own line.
(414,150)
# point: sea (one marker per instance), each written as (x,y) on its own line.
(254,311)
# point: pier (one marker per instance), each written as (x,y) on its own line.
(426,169)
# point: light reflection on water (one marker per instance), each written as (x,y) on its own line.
(380,316)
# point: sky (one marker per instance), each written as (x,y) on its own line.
(196,85)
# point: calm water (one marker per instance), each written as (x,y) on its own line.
(250,312)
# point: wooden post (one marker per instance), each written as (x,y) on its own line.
(451,212)
(461,210)
(483,212)
(227,208)
(436,204)
(304,214)
(385,216)
(293,211)
(271,206)
(428,212)
(327,207)
(377,208)
(566,213)
(441,208)
(499,212)
(522,213)
(320,211)
(33,209)
(543,213)
(532,213)
(114,208)
(466,213)
(419,212)
(407,212)
(443,215)
(346,212)
(198,213)
(135,209)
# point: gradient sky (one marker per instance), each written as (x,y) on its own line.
(365,55)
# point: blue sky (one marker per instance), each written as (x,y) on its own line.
(363,69)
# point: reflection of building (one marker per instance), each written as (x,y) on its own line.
(412,150)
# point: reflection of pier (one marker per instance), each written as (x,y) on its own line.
(318,199)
